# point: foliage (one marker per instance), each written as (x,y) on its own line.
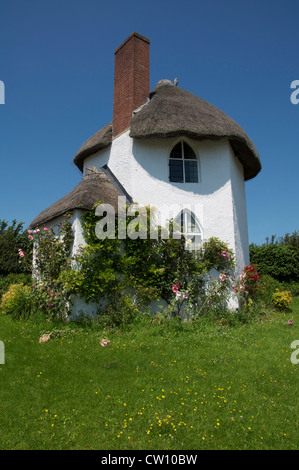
(208,297)
(11,238)
(17,301)
(52,251)
(248,281)
(144,269)
(291,239)
(282,299)
(52,301)
(52,255)
(119,312)
(156,264)
(292,286)
(14,278)
(216,254)
(93,274)
(279,259)
(127,275)
(266,289)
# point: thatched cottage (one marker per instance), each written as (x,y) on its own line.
(169,149)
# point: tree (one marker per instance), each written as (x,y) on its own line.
(12,237)
(290,239)
(278,257)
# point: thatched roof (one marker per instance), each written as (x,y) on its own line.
(172,111)
(96,185)
(98,141)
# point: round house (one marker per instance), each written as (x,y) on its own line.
(167,149)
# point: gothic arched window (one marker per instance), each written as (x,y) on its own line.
(189,229)
(183,167)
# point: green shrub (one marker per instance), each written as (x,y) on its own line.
(51,300)
(119,312)
(279,261)
(292,286)
(266,288)
(6,281)
(21,301)
(95,275)
(216,254)
(17,301)
(282,300)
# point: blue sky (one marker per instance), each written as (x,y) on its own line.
(57,64)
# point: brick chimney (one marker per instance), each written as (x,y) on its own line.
(131,80)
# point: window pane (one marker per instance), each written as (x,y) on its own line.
(191,224)
(176,151)
(191,173)
(193,243)
(176,171)
(188,152)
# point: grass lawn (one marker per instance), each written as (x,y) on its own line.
(170,386)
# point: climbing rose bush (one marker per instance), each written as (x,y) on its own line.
(52,254)
(248,281)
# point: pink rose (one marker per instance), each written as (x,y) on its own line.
(175,287)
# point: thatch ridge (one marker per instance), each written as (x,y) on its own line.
(98,184)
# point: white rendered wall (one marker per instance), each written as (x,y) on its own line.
(74,220)
(239,213)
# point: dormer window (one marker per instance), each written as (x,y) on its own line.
(183,166)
